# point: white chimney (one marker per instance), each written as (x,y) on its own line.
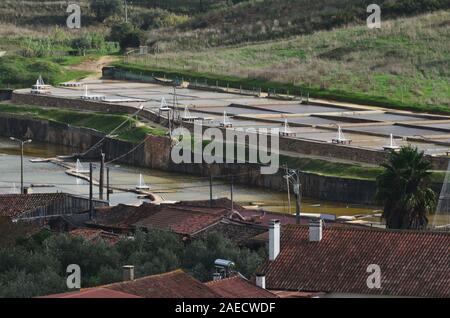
(128,273)
(315,230)
(261,281)
(274,239)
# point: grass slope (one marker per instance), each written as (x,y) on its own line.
(18,72)
(105,123)
(262,20)
(403,65)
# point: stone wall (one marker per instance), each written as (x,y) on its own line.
(78,104)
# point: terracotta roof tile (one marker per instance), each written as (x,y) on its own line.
(95,235)
(236,231)
(176,284)
(182,220)
(14,205)
(296,294)
(93,293)
(123,216)
(238,287)
(223,203)
(412,263)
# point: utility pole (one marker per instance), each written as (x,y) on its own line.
(175,103)
(91,194)
(288,190)
(170,123)
(232,190)
(107,184)
(102,176)
(298,196)
(210,190)
(22,143)
(293,176)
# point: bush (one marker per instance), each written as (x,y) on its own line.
(26,274)
(199,257)
(20,71)
(41,270)
(106,8)
(36,47)
(93,42)
(157,18)
(127,35)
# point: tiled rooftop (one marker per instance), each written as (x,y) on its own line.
(412,263)
(185,221)
(176,284)
(238,287)
(93,293)
(181,218)
(236,231)
(14,205)
(95,235)
(123,216)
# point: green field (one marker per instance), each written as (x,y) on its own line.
(403,65)
(105,123)
(244,22)
(19,72)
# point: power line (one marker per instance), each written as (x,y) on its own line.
(112,131)
(129,152)
(153,189)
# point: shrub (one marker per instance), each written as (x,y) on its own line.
(157,18)
(106,8)
(42,270)
(93,42)
(127,35)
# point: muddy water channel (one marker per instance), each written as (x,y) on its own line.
(48,177)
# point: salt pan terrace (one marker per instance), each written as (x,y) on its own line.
(367,127)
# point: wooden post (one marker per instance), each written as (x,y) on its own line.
(91,194)
(107,184)
(232,194)
(102,176)
(210,191)
(298,196)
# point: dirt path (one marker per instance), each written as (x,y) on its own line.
(94,66)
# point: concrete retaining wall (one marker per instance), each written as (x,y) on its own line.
(301,146)
(78,104)
(155,153)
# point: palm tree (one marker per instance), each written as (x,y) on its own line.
(403,190)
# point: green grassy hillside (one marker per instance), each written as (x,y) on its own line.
(261,20)
(105,123)
(405,64)
(321,47)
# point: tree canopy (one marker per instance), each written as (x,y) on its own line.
(104,9)
(38,265)
(127,35)
(403,189)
